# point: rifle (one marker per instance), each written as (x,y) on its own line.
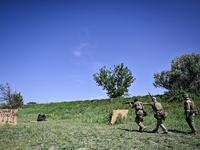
(128,103)
(150,95)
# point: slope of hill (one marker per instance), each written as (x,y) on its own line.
(85,125)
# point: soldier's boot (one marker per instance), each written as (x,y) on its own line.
(164,129)
(139,129)
(194,131)
(142,127)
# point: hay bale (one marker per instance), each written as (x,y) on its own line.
(115,113)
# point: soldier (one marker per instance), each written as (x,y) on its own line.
(190,112)
(159,115)
(139,114)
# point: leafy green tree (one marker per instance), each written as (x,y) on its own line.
(116,81)
(10,99)
(31,103)
(184,73)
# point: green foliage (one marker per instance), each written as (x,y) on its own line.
(3,106)
(11,100)
(115,82)
(177,95)
(18,101)
(185,73)
(31,103)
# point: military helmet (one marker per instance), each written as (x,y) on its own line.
(153,99)
(135,100)
(186,96)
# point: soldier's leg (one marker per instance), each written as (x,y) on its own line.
(159,123)
(162,126)
(157,126)
(190,121)
(138,120)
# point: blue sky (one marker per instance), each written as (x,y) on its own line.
(49,50)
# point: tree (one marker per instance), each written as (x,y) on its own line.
(184,73)
(31,103)
(12,100)
(116,81)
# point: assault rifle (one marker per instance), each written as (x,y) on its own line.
(150,95)
(128,103)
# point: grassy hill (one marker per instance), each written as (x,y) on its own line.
(85,125)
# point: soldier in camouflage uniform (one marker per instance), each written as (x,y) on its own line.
(139,114)
(159,115)
(190,112)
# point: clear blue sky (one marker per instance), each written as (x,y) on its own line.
(49,50)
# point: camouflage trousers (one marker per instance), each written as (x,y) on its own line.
(159,123)
(139,119)
(190,121)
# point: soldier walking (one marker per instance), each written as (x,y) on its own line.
(139,114)
(159,115)
(190,112)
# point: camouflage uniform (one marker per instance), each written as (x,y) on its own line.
(189,113)
(139,114)
(159,118)
(157,115)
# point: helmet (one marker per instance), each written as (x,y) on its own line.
(186,96)
(153,99)
(135,100)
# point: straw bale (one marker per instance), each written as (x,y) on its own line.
(8,116)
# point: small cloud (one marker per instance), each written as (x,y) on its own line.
(83,49)
(77,53)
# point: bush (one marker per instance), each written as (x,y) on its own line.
(3,106)
(177,94)
(31,103)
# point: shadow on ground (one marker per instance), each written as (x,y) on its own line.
(170,131)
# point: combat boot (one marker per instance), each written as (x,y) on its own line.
(142,129)
(166,133)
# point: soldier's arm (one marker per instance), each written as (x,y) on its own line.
(147,104)
(131,105)
(187,107)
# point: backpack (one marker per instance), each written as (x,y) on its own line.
(41,117)
(158,106)
(193,108)
(139,106)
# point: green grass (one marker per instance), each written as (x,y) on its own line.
(85,125)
